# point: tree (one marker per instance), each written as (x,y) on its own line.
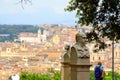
(22,2)
(25,1)
(103,15)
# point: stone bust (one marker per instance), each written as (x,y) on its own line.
(66,53)
(80,47)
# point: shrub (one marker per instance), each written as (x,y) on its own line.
(55,75)
(35,76)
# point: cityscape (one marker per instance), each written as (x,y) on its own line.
(39,52)
(60,40)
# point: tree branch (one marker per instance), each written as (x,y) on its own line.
(22,2)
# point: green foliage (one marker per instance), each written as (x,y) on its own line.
(14,30)
(55,75)
(116,75)
(107,76)
(34,76)
(92,75)
(102,16)
(45,76)
(6,38)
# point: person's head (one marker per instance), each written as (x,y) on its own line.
(99,63)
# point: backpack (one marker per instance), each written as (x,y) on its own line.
(98,72)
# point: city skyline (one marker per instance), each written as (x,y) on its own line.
(35,13)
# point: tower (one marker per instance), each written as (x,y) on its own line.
(39,33)
(42,35)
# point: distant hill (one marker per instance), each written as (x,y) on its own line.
(14,30)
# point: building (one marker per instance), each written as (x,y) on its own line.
(29,37)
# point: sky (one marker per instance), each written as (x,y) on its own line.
(37,13)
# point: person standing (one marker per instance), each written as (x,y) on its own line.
(15,77)
(99,72)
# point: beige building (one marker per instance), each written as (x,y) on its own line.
(16,50)
(40,37)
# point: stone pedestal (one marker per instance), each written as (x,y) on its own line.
(80,71)
(76,63)
(65,67)
(65,71)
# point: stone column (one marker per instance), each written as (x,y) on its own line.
(65,71)
(65,67)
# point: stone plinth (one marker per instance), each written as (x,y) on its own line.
(65,67)
(65,71)
(80,71)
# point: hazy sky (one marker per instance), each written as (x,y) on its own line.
(39,12)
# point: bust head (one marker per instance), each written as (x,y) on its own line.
(80,38)
(67,47)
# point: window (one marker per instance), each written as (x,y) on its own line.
(116,54)
(99,58)
(93,58)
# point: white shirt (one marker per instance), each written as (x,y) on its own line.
(15,77)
